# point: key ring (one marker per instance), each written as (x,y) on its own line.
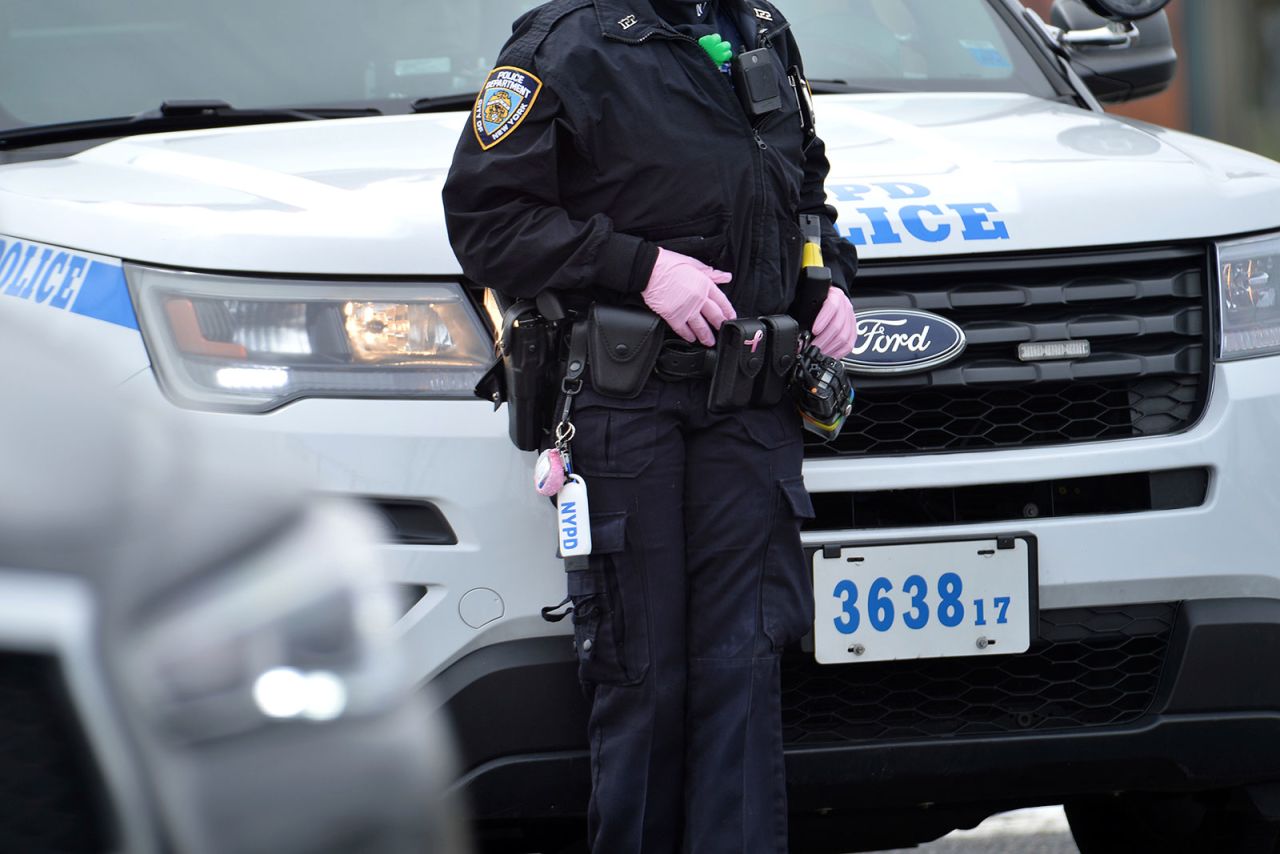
(565,432)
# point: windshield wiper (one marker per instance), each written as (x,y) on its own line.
(170,116)
(832,86)
(443,103)
(844,87)
(223,109)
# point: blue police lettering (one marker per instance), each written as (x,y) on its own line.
(53,278)
(977,220)
(849,192)
(8,261)
(71,280)
(979,226)
(882,229)
(914,223)
(894,189)
(62,279)
(14,275)
(569,524)
(901,190)
(29,286)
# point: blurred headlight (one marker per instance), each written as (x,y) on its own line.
(254,344)
(1248,276)
(299,631)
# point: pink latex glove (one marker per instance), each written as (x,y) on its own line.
(685,293)
(835,330)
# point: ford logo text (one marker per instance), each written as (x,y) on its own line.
(901,341)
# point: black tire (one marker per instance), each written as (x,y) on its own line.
(1169,824)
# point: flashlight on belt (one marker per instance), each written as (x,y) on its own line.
(819,385)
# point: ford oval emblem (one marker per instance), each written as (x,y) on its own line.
(902,341)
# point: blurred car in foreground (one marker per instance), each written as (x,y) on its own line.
(195,654)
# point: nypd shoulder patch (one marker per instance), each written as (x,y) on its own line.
(504,102)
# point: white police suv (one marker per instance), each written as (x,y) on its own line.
(1045,547)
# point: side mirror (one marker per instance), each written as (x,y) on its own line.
(1117,59)
(1126,10)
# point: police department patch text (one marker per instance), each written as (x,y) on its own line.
(505,101)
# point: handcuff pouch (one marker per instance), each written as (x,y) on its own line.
(622,349)
(740,358)
(782,343)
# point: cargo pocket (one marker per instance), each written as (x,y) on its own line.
(609,616)
(787,594)
(615,437)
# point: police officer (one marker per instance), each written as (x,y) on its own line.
(612,158)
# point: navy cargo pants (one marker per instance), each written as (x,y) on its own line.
(696,583)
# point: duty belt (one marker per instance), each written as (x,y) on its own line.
(679,360)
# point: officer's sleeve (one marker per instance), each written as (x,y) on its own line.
(502,198)
(838,254)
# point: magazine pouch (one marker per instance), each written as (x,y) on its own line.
(782,342)
(740,358)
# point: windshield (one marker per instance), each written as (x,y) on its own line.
(69,60)
(73,60)
(913,45)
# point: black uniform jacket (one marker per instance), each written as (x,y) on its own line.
(605,133)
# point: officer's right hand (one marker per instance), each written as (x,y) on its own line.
(686,294)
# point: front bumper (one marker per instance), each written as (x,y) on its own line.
(488,588)
(1211,720)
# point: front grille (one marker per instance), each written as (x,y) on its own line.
(1111,494)
(51,798)
(1089,667)
(1143,312)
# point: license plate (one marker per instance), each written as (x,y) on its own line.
(924,600)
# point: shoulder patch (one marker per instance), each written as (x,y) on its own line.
(504,102)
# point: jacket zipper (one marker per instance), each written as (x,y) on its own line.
(757,157)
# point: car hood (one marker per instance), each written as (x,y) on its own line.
(911,175)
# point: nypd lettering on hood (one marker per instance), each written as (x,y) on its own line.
(64,280)
(889,212)
(902,341)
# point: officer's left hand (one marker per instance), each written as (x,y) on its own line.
(686,293)
(835,330)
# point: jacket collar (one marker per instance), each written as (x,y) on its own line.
(630,20)
(634,21)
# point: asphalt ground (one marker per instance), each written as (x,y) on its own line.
(1035,831)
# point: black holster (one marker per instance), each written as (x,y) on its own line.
(525,375)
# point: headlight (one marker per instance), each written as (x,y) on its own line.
(254,344)
(1248,276)
(300,630)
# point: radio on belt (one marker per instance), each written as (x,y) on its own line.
(756,81)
